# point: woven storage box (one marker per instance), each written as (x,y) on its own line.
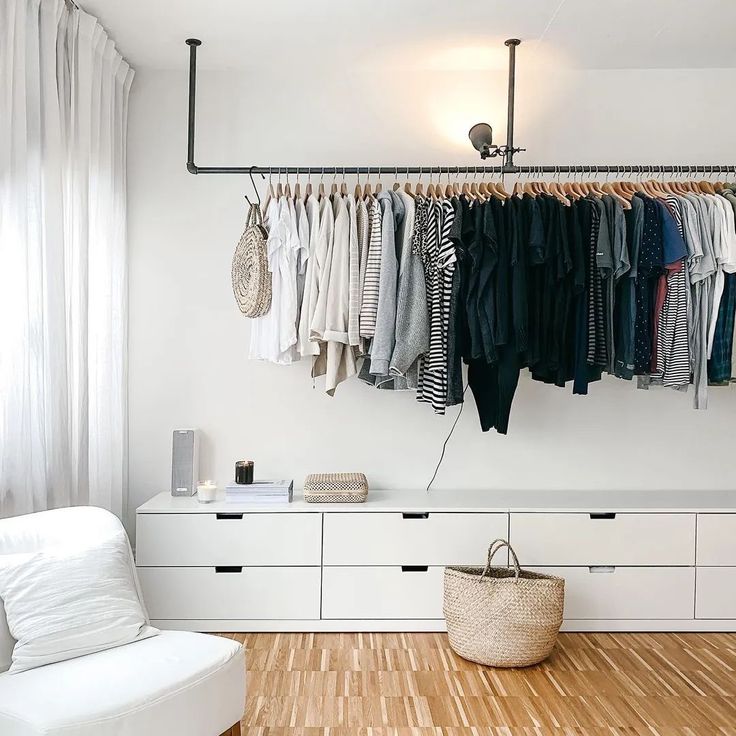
(503,617)
(335,488)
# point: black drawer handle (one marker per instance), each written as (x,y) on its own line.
(229,516)
(603,515)
(414,568)
(421,515)
(229,568)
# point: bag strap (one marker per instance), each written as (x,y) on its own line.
(254,216)
(495,546)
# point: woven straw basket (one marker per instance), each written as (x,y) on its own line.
(502,617)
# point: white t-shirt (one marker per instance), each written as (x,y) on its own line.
(273,336)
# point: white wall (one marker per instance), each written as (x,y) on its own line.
(188,342)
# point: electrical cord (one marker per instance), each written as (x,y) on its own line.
(447,439)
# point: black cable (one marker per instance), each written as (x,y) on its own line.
(447,439)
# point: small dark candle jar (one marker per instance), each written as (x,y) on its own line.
(244,472)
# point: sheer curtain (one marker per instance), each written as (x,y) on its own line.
(63,282)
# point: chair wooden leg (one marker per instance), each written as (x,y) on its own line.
(234,730)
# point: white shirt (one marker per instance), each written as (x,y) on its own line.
(273,336)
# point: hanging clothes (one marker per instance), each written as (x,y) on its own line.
(570,285)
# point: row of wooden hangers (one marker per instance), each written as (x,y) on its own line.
(565,192)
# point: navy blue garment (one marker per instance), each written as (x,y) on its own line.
(649,268)
(589,223)
(625,309)
(673,244)
(719,365)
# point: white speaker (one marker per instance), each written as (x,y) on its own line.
(185,462)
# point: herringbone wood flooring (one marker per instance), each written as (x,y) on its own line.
(413,684)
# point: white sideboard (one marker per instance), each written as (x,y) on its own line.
(632,561)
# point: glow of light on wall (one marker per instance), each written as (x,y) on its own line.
(467,58)
(457,105)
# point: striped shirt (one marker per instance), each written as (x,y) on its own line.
(371,281)
(596,316)
(439,263)
(672,339)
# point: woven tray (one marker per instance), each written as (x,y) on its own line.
(335,488)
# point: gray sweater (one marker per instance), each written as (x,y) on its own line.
(382,346)
(412,318)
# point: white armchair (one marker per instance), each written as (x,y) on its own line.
(173,683)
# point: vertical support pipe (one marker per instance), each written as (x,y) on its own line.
(192,43)
(512,43)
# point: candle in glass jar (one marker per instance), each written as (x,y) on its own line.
(244,472)
(206,491)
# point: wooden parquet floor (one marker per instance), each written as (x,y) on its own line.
(414,685)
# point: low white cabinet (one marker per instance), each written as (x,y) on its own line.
(650,561)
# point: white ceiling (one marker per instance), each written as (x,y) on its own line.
(454,34)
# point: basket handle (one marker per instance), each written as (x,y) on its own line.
(254,215)
(495,546)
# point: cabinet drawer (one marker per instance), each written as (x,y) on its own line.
(627,592)
(716,540)
(381,592)
(404,539)
(715,595)
(612,539)
(254,592)
(228,539)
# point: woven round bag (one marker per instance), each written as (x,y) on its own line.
(251,277)
(500,616)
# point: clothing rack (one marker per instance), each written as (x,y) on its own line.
(507,151)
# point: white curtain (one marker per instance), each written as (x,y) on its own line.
(63,279)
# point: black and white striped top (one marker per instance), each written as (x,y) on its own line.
(673,343)
(439,259)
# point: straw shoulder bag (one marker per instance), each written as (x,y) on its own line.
(250,274)
(500,616)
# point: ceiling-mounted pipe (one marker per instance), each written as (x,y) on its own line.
(192,43)
(512,43)
(507,168)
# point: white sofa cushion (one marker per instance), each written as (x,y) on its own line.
(174,683)
(31,533)
(71,600)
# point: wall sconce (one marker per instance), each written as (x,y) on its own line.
(481,136)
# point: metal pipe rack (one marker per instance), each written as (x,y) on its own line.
(508,166)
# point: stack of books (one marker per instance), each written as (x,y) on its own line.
(260,492)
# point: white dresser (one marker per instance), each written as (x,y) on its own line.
(632,561)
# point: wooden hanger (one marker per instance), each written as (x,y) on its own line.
(321,188)
(269,192)
(502,191)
